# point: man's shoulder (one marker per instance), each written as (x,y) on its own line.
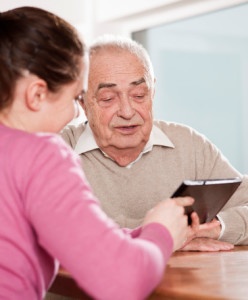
(174,127)
(180,133)
(71,133)
(74,129)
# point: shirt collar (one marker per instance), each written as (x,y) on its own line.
(86,141)
(159,138)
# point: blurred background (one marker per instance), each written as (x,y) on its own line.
(199,50)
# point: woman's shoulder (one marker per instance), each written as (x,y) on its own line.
(24,144)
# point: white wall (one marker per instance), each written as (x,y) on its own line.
(77,12)
(123,17)
(112,9)
(94,17)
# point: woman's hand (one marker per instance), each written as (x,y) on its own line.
(170,213)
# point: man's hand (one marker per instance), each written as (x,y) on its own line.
(208,230)
(206,244)
(204,237)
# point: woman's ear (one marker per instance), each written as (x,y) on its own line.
(36,94)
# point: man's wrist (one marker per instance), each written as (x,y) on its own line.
(222,227)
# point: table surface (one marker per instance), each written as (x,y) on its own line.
(189,276)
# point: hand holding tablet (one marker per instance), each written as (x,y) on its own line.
(210,196)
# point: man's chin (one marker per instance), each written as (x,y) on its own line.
(128,143)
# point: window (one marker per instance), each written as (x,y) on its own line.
(201,68)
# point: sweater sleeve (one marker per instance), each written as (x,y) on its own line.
(234,214)
(107,263)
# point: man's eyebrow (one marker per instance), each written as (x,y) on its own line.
(137,82)
(110,85)
(105,85)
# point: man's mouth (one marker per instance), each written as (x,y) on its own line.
(127,129)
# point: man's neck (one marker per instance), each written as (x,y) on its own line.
(122,157)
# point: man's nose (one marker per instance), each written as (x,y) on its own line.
(126,109)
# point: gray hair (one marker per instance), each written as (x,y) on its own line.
(108,41)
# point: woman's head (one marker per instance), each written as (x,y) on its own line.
(40,43)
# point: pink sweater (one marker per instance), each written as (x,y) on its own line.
(48,211)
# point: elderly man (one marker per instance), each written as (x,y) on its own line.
(132,161)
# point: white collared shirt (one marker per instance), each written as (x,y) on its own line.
(87,142)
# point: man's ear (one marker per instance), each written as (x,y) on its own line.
(82,104)
(36,94)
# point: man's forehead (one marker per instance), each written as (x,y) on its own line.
(116,69)
(114,58)
(110,51)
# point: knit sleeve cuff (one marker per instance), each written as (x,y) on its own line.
(159,235)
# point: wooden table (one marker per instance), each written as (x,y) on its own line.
(189,276)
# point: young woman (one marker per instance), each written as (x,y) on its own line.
(48,212)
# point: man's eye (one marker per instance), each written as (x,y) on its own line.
(106,99)
(139,96)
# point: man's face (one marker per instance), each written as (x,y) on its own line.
(118,102)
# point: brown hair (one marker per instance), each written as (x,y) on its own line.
(41,42)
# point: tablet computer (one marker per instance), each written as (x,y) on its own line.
(210,196)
